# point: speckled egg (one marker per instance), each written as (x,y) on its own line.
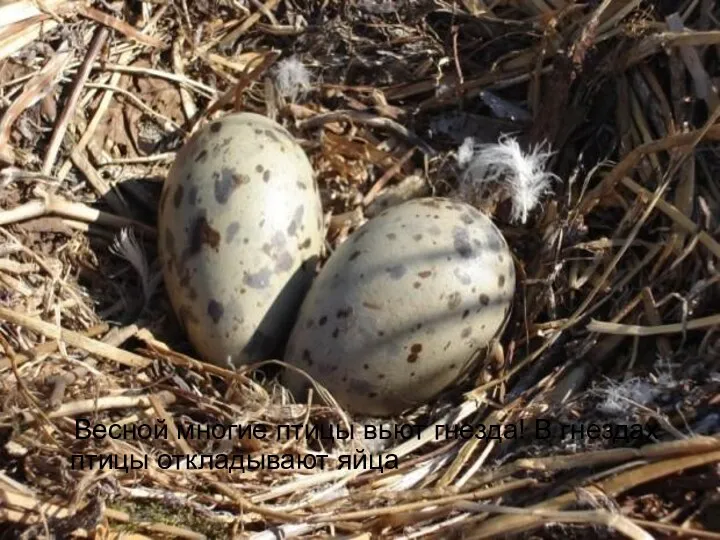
(402,307)
(240,229)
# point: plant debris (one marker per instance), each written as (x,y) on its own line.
(593,136)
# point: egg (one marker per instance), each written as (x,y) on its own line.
(240,230)
(402,307)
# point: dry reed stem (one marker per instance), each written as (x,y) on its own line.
(632,243)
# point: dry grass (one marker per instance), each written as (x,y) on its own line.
(616,315)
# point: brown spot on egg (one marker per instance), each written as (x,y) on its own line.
(466,219)
(415,351)
(371,306)
(215,127)
(417,285)
(269,133)
(484,299)
(301,185)
(366,367)
(178,196)
(425,274)
(306,243)
(417,237)
(344,313)
(466,332)
(216,310)
(266,176)
(307,358)
(323,320)
(355,255)
(391,236)
(201,157)
(335,333)
(259,168)
(501,280)
(202,233)
(372,395)
(465,314)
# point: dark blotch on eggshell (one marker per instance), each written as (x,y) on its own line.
(296,221)
(396,271)
(414,353)
(201,233)
(259,279)
(284,262)
(216,310)
(227,183)
(231,231)
(461,242)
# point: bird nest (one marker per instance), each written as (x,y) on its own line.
(598,417)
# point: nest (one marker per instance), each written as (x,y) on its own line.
(604,401)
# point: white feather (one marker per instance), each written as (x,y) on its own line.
(292,77)
(524,174)
(127,247)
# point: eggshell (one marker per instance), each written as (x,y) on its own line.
(240,230)
(402,307)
